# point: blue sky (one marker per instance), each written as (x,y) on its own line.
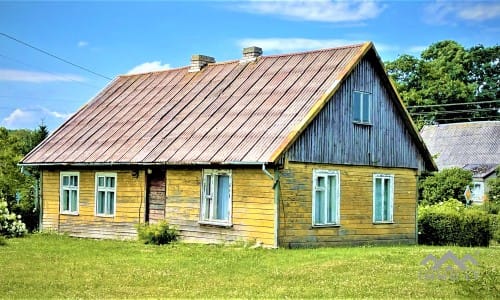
(112,38)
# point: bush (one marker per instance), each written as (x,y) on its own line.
(494,188)
(3,241)
(158,234)
(10,224)
(450,223)
(444,185)
(495,227)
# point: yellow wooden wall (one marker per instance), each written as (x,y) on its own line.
(252,207)
(356,207)
(129,206)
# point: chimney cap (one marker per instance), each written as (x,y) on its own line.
(198,61)
(251,54)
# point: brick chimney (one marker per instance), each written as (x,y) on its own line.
(198,61)
(251,54)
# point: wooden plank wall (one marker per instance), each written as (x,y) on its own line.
(356,208)
(252,210)
(129,206)
(333,137)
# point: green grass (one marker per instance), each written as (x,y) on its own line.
(52,266)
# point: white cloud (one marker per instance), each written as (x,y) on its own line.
(31,117)
(149,67)
(317,10)
(448,12)
(293,44)
(37,77)
(82,44)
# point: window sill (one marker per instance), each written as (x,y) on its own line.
(69,213)
(326,226)
(215,223)
(383,223)
(362,123)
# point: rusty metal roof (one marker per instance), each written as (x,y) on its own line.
(228,112)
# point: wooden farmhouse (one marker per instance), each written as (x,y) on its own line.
(294,150)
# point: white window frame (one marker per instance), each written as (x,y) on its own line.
(328,197)
(389,177)
(209,192)
(364,96)
(106,190)
(477,193)
(72,210)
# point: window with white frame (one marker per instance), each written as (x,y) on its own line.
(477,192)
(69,192)
(326,197)
(216,197)
(361,107)
(105,194)
(383,198)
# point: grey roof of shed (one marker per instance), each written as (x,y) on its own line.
(460,144)
(229,112)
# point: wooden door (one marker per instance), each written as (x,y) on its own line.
(156,196)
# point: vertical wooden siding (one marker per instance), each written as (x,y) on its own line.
(333,137)
(356,207)
(128,212)
(252,210)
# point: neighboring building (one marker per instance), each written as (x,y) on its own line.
(473,146)
(304,149)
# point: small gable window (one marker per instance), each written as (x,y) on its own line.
(216,197)
(69,192)
(361,107)
(383,198)
(105,195)
(326,197)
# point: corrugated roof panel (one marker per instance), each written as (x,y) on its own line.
(227,112)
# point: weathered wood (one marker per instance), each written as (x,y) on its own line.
(356,206)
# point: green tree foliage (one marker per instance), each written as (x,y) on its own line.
(494,188)
(445,75)
(446,184)
(16,188)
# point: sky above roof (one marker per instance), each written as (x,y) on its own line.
(56,56)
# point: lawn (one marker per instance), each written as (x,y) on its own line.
(54,266)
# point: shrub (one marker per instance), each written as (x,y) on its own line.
(158,234)
(10,224)
(450,223)
(494,188)
(495,227)
(444,185)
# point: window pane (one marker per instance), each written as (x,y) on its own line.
(332,201)
(319,211)
(73,181)
(208,185)
(100,202)
(320,182)
(110,182)
(378,199)
(73,200)
(222,211)
(100,181)
(366,108)
(387,199)
(65,200)
(110,208)
(65,180)
(356,106)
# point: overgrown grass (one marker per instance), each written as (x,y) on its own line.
(52,266)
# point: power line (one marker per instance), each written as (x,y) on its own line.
(54,56)
(453,111)
(453,104)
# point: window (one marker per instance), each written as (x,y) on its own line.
(361,107)
(216,197)
(477,192)
(105,195)
(383,198)
(69,192)
(326,197)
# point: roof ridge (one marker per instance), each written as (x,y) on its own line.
(263,56)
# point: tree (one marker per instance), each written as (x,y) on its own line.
(444,185)
(443,83)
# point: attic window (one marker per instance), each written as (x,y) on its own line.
(361,107)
